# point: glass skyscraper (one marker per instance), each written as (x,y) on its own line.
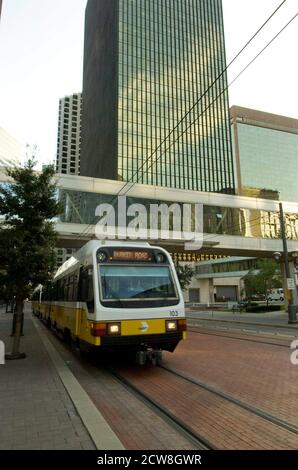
(266,152)
(146,64)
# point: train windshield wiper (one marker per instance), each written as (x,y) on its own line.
(108,289)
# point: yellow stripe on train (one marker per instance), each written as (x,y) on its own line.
(142,327)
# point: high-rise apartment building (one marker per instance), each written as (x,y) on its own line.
(11,150)
(63,254)
(146,62)
(69,135)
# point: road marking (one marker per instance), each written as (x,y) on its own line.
(236,329)
(286,336)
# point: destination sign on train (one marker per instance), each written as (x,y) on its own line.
(122,255)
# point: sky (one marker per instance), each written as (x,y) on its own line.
(41,60)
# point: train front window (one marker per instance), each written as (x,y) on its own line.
(136,283)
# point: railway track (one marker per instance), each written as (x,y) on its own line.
(245,406)
(246,417)
(178,425)
(245,335)
(186,428)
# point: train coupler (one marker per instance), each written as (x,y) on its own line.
(151,356)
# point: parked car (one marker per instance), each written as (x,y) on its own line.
(243,304)
(276,294)
(256,297)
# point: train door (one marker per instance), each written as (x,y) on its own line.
(86,299)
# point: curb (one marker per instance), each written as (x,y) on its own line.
(99,430)
(274,325)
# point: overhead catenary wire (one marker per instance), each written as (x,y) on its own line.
(210,104)
(230,229)
(132,183)
(243,70)
(202,96)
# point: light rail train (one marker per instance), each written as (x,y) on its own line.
(116,296)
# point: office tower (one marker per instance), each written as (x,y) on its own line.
(146,62)
(266,152)
(69,135)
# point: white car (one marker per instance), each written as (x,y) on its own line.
(276,294)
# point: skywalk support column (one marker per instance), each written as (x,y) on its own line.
(211,291)
(293,293)
(293,271)
(292,308)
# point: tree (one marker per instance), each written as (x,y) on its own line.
(261,280)
(185,274)
(27,236)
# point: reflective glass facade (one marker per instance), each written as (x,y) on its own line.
(227,266)
(269,159)
(265,148)
(79,208)
(169,52)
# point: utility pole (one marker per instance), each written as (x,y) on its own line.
(291,307)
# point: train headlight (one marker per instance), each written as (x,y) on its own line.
(171,325)
(114,328)
(101,256)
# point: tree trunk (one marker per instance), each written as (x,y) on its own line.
(15,354)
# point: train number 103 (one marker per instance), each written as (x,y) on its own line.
(174,313)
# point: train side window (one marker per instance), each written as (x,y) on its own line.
(86,293)
(52,289)
(58,290)
(61,289)
(66,289)
(75,286)
(70,289)
(55,291)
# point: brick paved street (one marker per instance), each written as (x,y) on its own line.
(222,423)
(212,417)
(261,374)
(37,412)
(136,425)
(35,409)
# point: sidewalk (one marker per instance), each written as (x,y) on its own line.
(36,411)
(272,319)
